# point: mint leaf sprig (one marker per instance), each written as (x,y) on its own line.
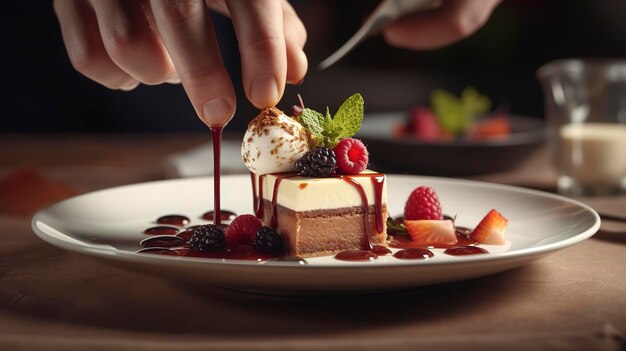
(326,130)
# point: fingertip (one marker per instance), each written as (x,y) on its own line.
(265,91)
(130,86)
(217,112)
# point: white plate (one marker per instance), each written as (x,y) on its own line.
(109,224)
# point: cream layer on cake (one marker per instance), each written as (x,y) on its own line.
(308,194)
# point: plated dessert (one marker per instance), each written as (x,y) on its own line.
(450,118)
(314,196)
(310,181)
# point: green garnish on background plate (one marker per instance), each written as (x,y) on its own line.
(455,115)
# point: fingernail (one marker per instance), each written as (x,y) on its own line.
(130,87)
(264,91)
(298,82)
(216,112)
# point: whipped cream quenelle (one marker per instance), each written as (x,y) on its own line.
(274,142)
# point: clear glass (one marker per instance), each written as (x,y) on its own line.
(585,102)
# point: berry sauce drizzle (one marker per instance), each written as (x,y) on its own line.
(170,242)
(177,220)
(366,245)
(279,178)
(258,196)
(405,242)
(161,230)
(356,255)
(163,241)
(363,255)
(378,182)
(414,254)
(465,250)
(225,215)
(217,150)
(377,179)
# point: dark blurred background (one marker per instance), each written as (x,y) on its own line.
(41,92)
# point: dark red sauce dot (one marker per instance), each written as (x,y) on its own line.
(413,254)
(161,230)
(163,241)
(225,215)
(178,220)
(380,250)
(465,250)
(356,255)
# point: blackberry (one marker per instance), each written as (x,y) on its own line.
(319,162)
(207,238)
(268,240)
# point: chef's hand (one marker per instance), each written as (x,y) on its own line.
(449,22)
(121,43)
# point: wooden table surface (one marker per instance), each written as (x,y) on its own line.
(49,299)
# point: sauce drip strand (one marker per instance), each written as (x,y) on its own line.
(365,206)
(257,194)
(378,182)
(217,150)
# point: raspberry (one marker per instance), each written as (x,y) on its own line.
(242,230)
(423,203)
(352,157)
(296,111)
(268,240)
(207,238)
(319,162)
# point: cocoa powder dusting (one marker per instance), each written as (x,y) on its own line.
(267,118)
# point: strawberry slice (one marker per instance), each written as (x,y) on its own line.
(491,229)
(431,231)
(496,127)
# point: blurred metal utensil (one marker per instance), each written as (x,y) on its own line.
(386,12)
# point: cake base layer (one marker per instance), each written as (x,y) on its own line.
(325,232)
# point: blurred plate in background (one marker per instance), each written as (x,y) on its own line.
(407,154)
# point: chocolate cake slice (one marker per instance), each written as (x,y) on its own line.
(323,216)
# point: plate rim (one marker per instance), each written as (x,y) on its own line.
(155,259)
